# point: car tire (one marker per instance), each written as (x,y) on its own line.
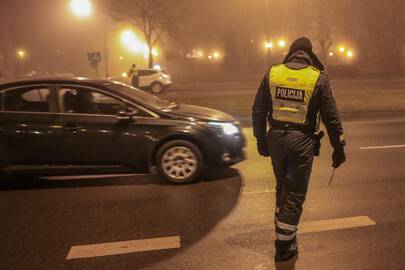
(179,162)
(157,87)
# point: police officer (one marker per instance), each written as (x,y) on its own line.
(133,73)
(290,98)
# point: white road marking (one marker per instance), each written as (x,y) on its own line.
(264,191)
(133,246)
(383,147)
(335,224)
(123,247)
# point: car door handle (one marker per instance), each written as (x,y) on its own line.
(71,128)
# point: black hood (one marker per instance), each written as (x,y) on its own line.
(302,47)
(299,57)
(202,113)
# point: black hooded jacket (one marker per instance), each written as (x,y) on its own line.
(322,101)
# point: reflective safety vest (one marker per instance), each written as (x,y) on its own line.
(291,91)
(133,72)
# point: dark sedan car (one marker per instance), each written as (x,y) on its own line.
(83,126)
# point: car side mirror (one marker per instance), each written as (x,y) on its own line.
(127,114)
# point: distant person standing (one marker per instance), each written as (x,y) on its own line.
(133,73)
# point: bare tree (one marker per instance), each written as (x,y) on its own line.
(385,33)
(320,22)
(153,17)
(7,38)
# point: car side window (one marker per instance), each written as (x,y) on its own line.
(27,99)
(87,101)
(150,72)
(147,72)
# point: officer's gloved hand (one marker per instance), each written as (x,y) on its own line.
(338,156)
(263,147)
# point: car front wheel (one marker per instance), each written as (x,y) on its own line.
(179,162)
(157,88)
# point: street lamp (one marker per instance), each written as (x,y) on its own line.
(84,9)
(81,8)
(130,40)
(282,43)
(268,45)
(21,54)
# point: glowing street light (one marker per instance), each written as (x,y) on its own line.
(135,45)
(216,55)
(268,45)
(84,9)
(350,54)
(342,49)
(282,43)
(331,54)
(131,41)
(81,8)
(21,54)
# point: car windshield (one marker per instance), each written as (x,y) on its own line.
(141,96)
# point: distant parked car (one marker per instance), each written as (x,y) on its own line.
(31,73)
(155,80)
(62,126)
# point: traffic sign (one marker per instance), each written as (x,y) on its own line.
(94,57)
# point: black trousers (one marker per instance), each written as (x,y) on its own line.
(292,155)
(135,81)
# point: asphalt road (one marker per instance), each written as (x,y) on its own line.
(225,221)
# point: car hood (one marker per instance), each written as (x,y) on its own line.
(202,113)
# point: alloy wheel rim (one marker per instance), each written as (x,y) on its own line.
(157,88)
(179,162)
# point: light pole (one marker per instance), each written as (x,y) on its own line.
(21,55)
(268,43)
(84,9)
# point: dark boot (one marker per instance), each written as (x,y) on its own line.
(286,250)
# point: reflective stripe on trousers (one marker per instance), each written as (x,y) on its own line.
(283,237)
(284,231)
(285,226)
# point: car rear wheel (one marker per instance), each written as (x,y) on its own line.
(157,87)
(179,162)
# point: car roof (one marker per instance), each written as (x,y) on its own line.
(150,69)
(55,80)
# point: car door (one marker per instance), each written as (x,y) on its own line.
(28,125)
(147,77)
(93,134)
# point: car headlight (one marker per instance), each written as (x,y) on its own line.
(226,128)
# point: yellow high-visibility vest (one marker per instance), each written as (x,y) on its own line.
(291,91)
